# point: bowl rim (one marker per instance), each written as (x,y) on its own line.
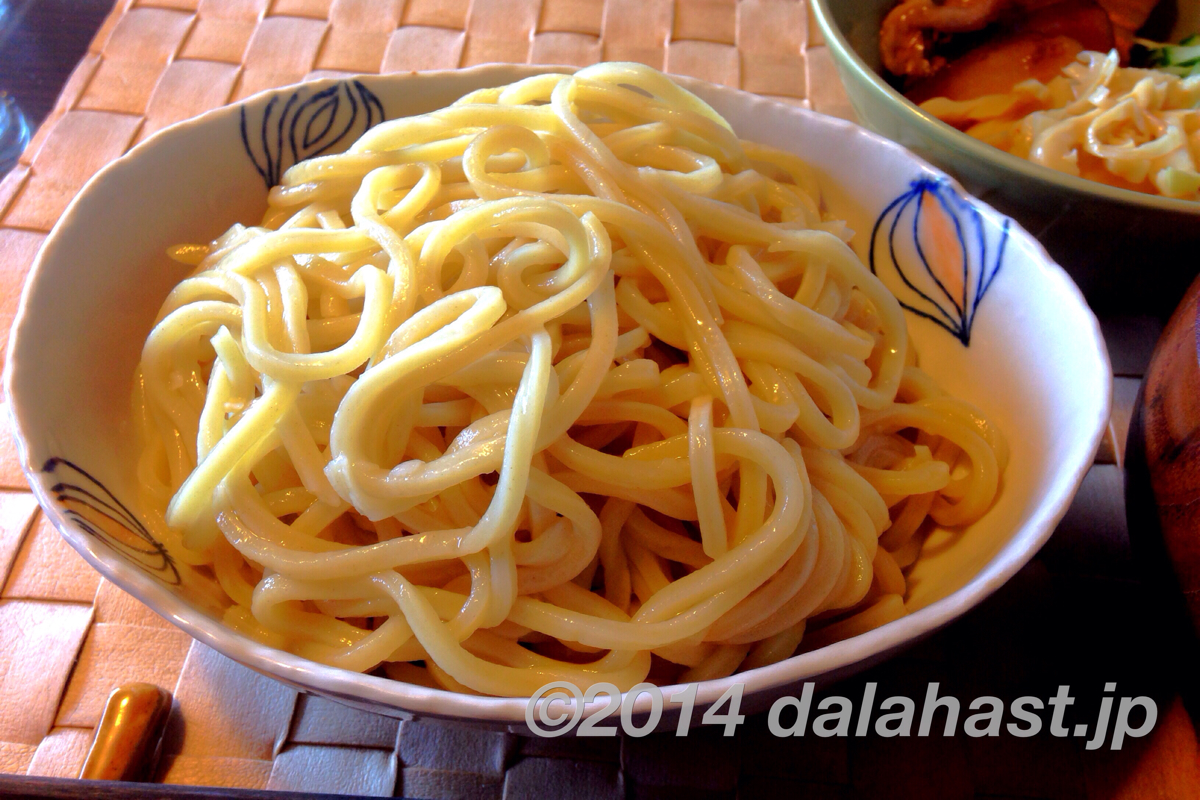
(950,137)
(398,698)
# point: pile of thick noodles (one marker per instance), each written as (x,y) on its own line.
(1133,128)
(561,382)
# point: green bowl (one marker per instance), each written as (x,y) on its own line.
(1130,252)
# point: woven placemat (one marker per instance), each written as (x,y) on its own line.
(67,636)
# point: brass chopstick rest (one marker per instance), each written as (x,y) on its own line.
(127,739)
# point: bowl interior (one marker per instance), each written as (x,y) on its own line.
(1015,338)
(859,21)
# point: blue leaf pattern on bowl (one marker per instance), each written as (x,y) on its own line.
(89,504)
(943,252)
(305,124)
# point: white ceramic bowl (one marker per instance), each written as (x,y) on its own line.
(1035,361)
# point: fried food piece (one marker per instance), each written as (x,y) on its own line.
(912,31)
(909,31)
(994,68)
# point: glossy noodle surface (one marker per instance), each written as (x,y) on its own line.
(561,382)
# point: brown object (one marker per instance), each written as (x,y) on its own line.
(914,37)
(911,29)
(129,734)
(1082,20)
(1127,17)
(996,67)
(1166,432)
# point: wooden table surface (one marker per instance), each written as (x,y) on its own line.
(1077,615)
